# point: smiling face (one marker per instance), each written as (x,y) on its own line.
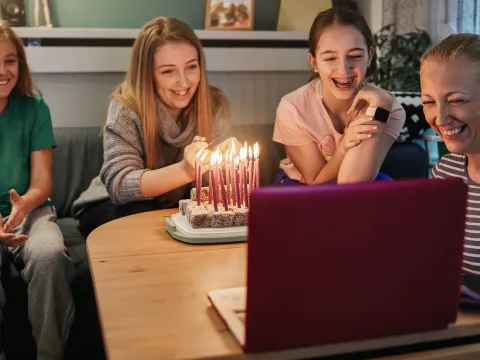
(341,59)
(451,103)
(176,75)
(8,68)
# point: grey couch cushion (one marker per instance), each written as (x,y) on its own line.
(77,159)
(74,241)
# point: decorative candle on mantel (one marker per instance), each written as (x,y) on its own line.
(198,173)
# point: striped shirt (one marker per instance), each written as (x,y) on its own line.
(455,165)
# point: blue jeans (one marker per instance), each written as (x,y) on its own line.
(282,179)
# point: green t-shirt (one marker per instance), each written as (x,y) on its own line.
(25,126)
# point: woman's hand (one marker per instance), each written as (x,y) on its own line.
(357,131)
(372,96)
(226,145)
(10,240)
(190,156)
(18,213)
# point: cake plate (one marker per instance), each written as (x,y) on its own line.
(178,227)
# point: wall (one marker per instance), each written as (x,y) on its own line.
(134,13)
(82,99)
(299,15)
(78,100)
(372,11)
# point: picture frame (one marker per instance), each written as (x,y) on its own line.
(229,14)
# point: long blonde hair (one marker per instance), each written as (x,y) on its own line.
(137,91)
(24,86)
(453,47)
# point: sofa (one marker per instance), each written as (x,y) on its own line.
(76,161)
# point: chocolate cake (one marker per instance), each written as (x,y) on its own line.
(205,215)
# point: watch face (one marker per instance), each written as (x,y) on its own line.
(382,115)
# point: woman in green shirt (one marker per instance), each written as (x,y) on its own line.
(28,233)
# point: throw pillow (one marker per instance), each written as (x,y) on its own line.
(415,123)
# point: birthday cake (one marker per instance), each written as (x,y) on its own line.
(225,201)
(205,215)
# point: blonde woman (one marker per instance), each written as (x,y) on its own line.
(451,103)
(158,119)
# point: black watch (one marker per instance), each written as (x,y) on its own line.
(377,113)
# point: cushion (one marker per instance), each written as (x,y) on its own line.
(77,159)
(415,122)
(406,161)
(74,241)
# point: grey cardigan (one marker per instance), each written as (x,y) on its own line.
(124,161)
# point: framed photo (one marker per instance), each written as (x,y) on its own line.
(229,15)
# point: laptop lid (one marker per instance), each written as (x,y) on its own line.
(330,263)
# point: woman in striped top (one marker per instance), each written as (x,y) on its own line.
(450,81)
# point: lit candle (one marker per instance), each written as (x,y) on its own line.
(198,174)
(212,182)
(250,167)
(256,166)
(237,182)
(221,182)
(217,176)
(227,177)
(245,178)
(240,175)
(232,178)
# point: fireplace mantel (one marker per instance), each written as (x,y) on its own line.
(87,50)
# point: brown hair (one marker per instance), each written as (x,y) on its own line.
(344,16)
(453,47)
(24,86)
(137,91)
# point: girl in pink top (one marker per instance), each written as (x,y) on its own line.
(330,127)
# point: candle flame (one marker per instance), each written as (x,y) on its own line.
(250,153)
(230,158)
(212,159)
(203,157)
(200,152)
(237,160)
(242,154)
(256,150)
(219,159)
(233,148)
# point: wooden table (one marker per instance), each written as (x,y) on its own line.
(151,292)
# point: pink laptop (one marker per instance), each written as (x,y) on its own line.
(333,264)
